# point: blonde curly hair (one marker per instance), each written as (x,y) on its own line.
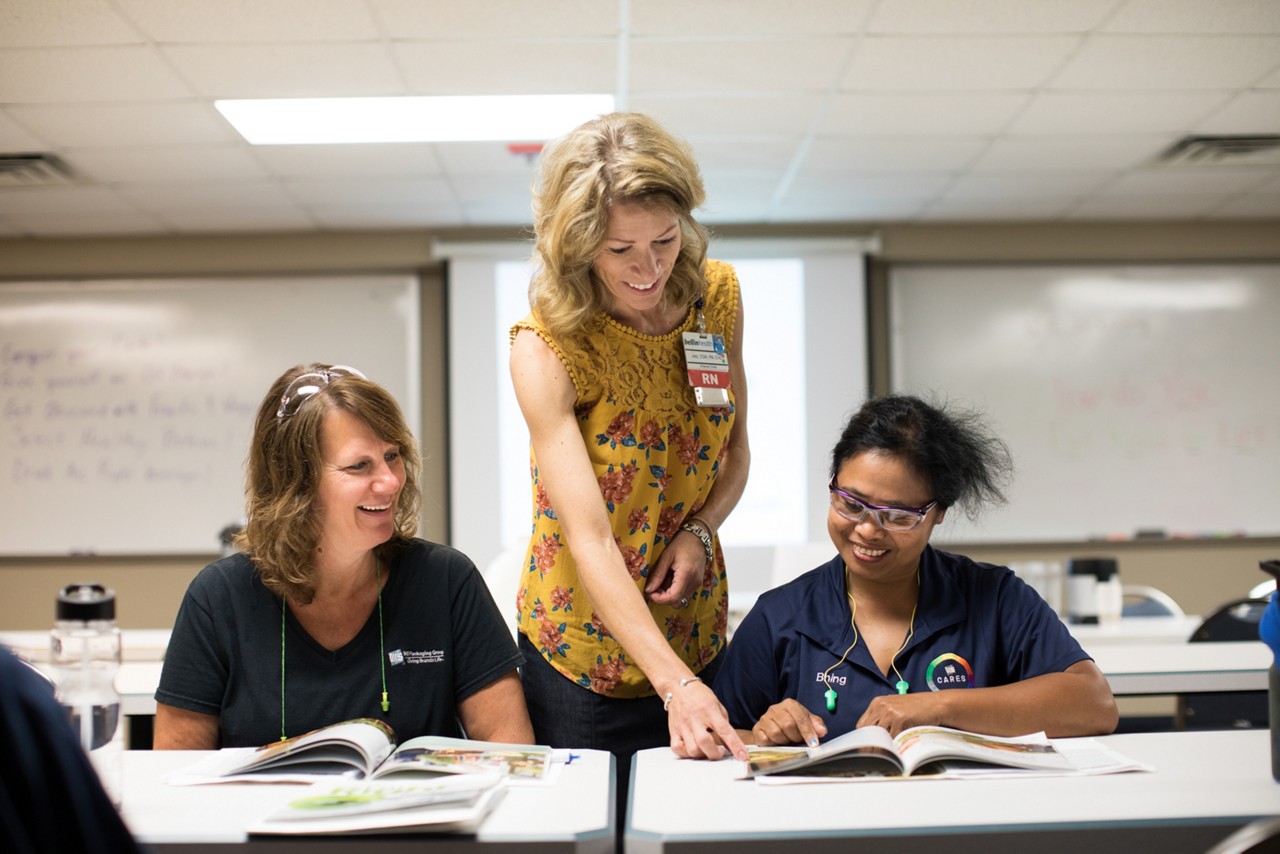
(616,158)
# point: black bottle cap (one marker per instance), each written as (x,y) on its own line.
(1103,568)
(86,602)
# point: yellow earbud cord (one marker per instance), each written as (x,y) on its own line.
(853,616)
(902,685)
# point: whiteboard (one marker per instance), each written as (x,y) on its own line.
(126,407)
(1134,399)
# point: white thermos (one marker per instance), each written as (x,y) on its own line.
(1093,590)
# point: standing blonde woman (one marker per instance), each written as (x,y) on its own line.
(623,597)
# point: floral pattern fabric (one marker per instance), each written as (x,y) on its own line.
(656,454)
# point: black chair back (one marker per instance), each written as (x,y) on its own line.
(1236,620)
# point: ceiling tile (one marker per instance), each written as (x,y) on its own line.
(1196,16)
(892,154)
(1076,151)
(890,64)
(287,70)
(41,23)
(238,219)
(14,137)
(425,214)
(357,192)
(1209,180)
(349,161)
(250,21)
(998,208)
(1116,112)
(813,184)
(681,18)
(62,199)
(920,114)
(485,157)
(85,125)
(1015,185)
(71,224)
(1250,205)
(988,16)
(1145,207)
(508,68)
(1247,113)
(738,152)
(825,110)
(125,73)
(849,208)
(1168,62)
(769,66)
(477,187)
(189,195)
(164,163)
(495,19)
(497,211)
(757,113)
(737,195)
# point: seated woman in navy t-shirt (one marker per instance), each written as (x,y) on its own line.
(895,633)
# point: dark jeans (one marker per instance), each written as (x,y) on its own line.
(566,715)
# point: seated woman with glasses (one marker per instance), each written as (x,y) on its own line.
(895,633)
(332,610)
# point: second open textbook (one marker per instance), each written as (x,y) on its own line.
(935,751)
(365,748)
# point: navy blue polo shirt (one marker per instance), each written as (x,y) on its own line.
(976,626)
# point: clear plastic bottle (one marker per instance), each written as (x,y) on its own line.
(86,657)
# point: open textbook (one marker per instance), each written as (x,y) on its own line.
(454,803)
(936,751)
(365,748)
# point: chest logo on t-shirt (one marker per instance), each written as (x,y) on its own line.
(398,657)
(949,671)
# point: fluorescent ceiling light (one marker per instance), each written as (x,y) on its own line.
(318,121)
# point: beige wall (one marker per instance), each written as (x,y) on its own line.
(1197,574)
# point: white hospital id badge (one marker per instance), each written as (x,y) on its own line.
(707,362)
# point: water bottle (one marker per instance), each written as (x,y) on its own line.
(86,657)
(1269,632)
(1093,590)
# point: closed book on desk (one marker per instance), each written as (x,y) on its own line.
(451,804)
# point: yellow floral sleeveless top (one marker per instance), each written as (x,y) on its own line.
(656,454)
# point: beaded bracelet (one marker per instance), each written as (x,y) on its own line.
(666,701)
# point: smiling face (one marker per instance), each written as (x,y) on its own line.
(359,485)
(642,242)
(870,552)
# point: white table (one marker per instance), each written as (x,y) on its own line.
(1205,785)
(1184,668)
(575,813)
(135,644)
(1131,630)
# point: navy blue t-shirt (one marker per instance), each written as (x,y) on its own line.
(444,640)
(976,625)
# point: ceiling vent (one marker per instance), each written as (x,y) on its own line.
(34,170)
(1255,150)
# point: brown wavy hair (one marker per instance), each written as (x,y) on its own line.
(283,470)
(616,158)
